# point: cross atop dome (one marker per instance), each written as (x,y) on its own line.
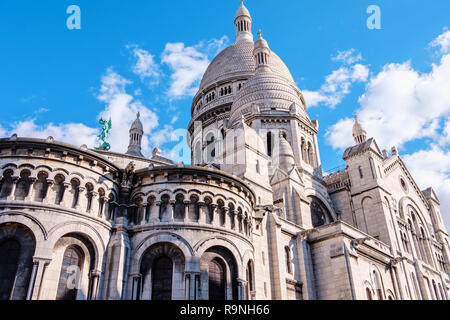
(260,34)
(243,24)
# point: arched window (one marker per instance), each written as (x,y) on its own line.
(69,278)
(179,213)
(287,253)
(9,262)
(164,207)
(216,281)
(194,209)
(361,175)
(162,279)
(319,213)
(303,147)
(221,212)
(23,185)
(310,154)
(40,187)
(111,208)
(89,196)
(6,185)
(101,202)
(75,192)
(59,189)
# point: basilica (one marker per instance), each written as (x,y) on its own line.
(254,217)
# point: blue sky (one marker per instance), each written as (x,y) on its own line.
(149,56)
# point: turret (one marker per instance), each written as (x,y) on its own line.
(136,133)
(261,52)
(243,23)
(359,134)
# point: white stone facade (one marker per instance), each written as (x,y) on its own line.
(253,217)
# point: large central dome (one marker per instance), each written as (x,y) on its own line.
(236,61)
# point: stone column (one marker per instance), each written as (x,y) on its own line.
(101,213)
(171,210)
(95,277)
(154,212)
(50,196)
(94,203)
(191,288)
(232,219)
(216,216)
(13,189)
(241,288)
(186,210)
(143,213)
(202,211)
(34,287)
(65,186)
(29,197)
(81,199)
(227,224)
(117,256)
(136,287)
(240,227)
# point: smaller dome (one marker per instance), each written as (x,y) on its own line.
(242,11)
(137,124)
(261,43)
(267,92)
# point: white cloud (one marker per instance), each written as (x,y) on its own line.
(188,64)
(337,85)
(432,168)
(445,137)
(122,109)
(340,135)
(442,41)
(348,57)
(174,119)
(73,133)
(113,84)
(401,105)
(145,66)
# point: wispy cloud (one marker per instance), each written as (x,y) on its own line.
(348,57)
(337,85)
(145,65)
(188,64)
(442,41)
